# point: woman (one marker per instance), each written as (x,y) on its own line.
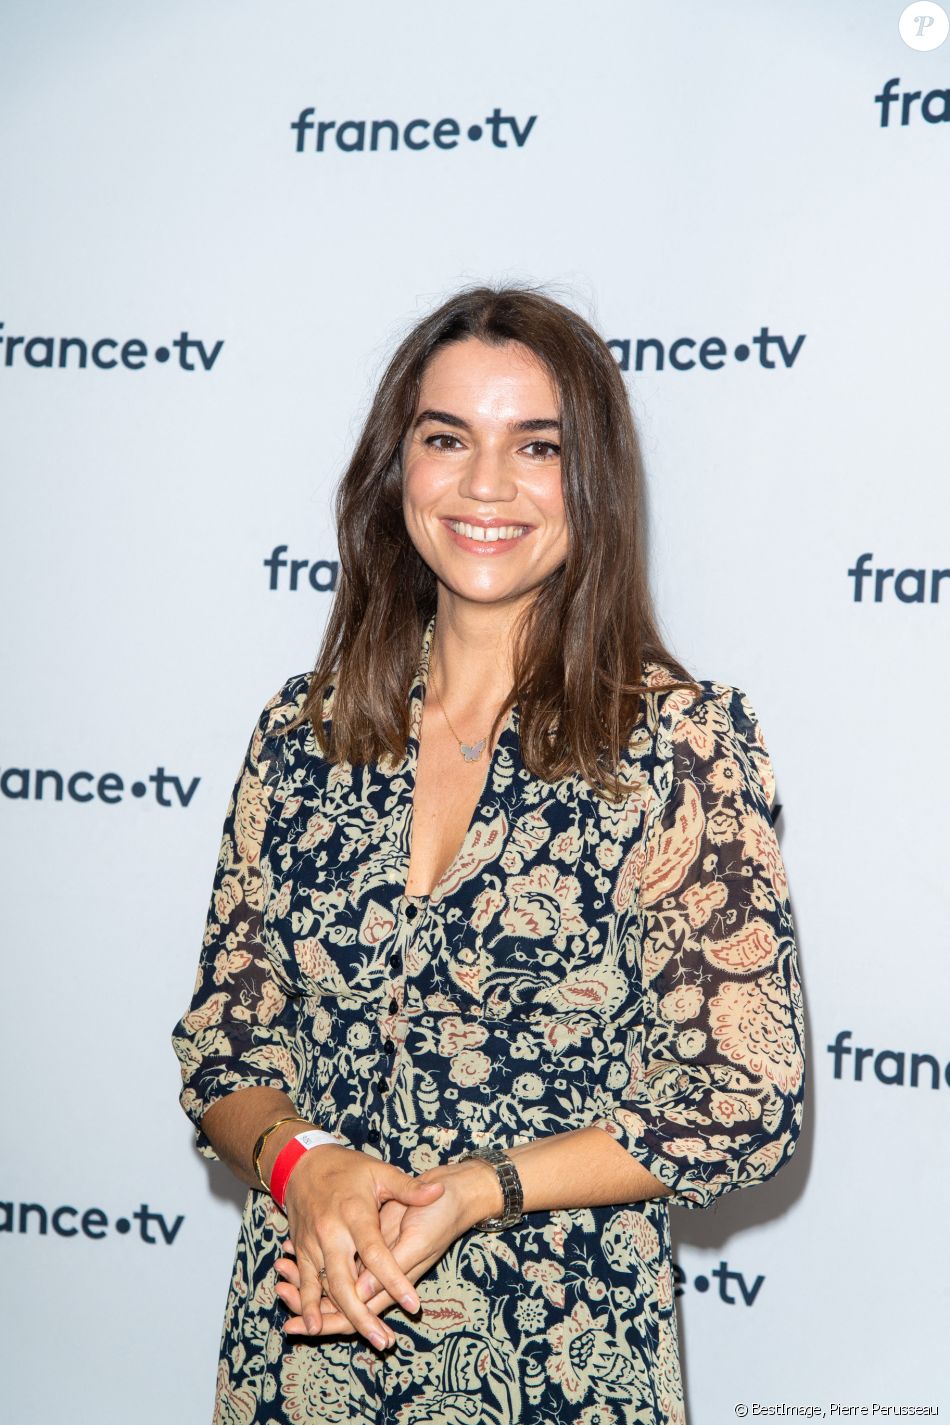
(500,879)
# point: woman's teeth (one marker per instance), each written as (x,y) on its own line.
(487,535)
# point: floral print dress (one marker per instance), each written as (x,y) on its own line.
(632,967)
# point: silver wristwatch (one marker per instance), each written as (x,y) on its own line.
(513,1197)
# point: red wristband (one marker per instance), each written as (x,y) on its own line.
(290,1155)
(284,1164)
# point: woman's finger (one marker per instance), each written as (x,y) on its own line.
(382,1301)
(288,1290)
(376,1258)
(391,1215)
(287,1268)
(290,1296)
(333,1323)
(311,1291)
(367,1285)
(341,1284)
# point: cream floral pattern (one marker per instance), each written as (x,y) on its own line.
(631,967)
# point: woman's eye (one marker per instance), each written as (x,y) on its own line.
(537,449)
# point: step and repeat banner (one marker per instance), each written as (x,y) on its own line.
(219,219)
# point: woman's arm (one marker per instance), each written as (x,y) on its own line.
(240,1045)
(716,1088)
(240,1030)
(584,1168)
(581,1168)
(233,1124)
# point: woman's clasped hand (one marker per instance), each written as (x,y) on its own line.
(374,1230)
(334,1203)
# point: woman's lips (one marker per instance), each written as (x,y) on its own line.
(485,546)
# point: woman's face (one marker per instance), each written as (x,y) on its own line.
(482,495)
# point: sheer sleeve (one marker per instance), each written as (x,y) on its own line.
(240,1030)
(715,1097)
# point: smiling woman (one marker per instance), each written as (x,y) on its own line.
(518,957)
(571,611)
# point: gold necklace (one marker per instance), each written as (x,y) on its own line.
(471,751)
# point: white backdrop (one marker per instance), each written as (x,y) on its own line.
(675,172)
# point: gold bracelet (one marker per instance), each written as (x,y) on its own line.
(259,1145)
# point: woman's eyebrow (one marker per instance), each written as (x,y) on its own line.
(446,418)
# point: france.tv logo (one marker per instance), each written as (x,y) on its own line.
(318,135)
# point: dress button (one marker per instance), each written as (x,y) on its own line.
(393,1006)
(372,1135)
(397,961)
(388,1045)
(411,912)
(382,1084)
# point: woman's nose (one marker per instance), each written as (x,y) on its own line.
(488,476)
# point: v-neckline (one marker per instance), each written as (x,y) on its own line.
(417,695)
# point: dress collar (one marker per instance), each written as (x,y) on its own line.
(420,682)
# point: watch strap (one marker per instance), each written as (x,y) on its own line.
(512,1192)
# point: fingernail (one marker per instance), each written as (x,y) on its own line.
(410,1302)
(377,1339)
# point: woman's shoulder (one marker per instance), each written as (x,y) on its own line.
(675,697)
(286,703)
(710,718)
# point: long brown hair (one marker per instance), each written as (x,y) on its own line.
(581,646)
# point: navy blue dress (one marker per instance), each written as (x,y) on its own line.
(632,967)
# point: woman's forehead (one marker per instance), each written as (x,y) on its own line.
(487,378)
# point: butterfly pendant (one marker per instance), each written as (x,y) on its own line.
(472,751)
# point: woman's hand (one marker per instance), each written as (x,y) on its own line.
(419,1235)
(334,1202)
